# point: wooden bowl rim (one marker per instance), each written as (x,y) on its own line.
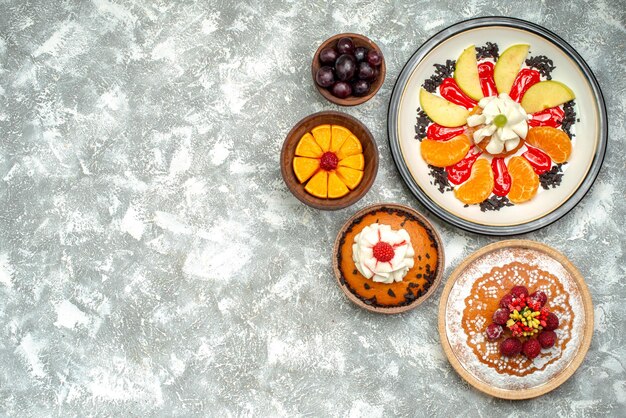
(567,371)
(440,259)
(352,100)
(354,195)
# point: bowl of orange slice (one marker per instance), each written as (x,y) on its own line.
(329,160)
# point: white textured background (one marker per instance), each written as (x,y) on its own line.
(152,261)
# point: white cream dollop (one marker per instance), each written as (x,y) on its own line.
(390,271)
(505,137)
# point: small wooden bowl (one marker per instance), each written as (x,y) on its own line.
(420,219)
(370,154)
(359,40)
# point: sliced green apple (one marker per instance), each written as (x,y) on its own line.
(546,94)
(442,111)
(466,73)
(508,65)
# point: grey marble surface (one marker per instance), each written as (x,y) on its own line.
(152,262)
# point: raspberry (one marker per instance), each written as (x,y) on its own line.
(329,161)
(506,301)
(531,348)
(494,331)
(510,347)
(518,291)
(501,316)
(383,252)
(552,322)
(540,297)
(547,339)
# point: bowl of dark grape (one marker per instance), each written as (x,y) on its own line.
(348,69)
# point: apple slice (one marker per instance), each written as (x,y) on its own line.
(546,94)
(442,111)
(508,65)
(466,73)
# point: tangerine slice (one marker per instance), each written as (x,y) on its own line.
(336,187)
(351,146)
(307,147)
(318,185)
(305,167)
(321,134)
(338,137)
(350,176)
(552,141)
(354,161)
(524,181)
(479,185)
(445,153)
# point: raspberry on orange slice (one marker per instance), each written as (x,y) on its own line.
(351,146)
(305,167)
(339,134)
(350,176)
(321,134)
(318,185)
(524,180)
(307,147)
(552,141)
(445,153)
(336,187)
(354,161)
(479,186)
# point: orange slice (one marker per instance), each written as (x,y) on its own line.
(336,187)
(351,146)
(445,153)
(318,185)
(354,161)
(350,176)
(322,136)
(307,147)
(305,167)
(552,141)
(338,137)
(524,181)
(479,186)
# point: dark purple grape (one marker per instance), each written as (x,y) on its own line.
(345,67)
(328,55)
(360,54)
(361,88)
(366,71)
(345,46)
(342,90)
(374,58)
(325,77)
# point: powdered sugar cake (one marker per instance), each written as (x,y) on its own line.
(472,295)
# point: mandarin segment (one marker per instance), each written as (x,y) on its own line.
(318,185)
(350,176)
(354,161)
(305,167)
(445,153)
(307,147)
(479,185)
(524,180)
(336,187)
(321,134)
(552,141)
(339,134)
(351,146)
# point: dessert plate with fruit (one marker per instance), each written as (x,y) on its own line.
(516,319)
(497,125)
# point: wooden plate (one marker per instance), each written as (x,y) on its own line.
(416,217)
(370,154)
(501,385)
(359,40)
